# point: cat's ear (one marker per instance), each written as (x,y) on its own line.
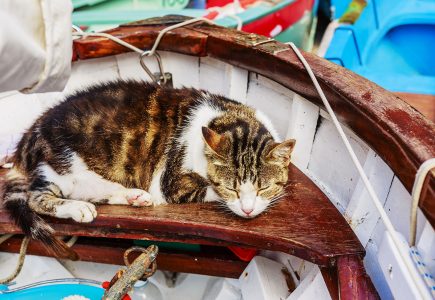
(280,153)
(215,142)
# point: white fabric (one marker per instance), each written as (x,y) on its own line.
(17,113)
(35,45)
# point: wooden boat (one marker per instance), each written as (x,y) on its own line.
(285,20)
(389,43)
(327,229)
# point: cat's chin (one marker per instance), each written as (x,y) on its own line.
(246,216)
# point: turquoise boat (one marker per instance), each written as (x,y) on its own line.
(286,20)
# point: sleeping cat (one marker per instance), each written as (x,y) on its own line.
(135,143)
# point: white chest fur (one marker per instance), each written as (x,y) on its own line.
(192,138)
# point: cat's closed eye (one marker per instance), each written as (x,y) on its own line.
(264,188)
(233,191)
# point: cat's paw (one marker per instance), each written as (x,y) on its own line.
(138,197)
(135,197)
(79,211)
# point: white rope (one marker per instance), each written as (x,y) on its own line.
(376,201)
(229,15)
(72,241)
(130,46)
(5,237)
(110,37)
(416,191)
(76,28)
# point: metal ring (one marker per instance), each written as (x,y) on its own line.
(148,71)
(152,254)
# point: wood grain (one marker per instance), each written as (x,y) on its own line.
(354,283)
(423,103)
(212,261)
(182,40)
(330,277)
(402,136)
(304,224)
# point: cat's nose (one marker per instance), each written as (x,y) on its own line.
(247,211)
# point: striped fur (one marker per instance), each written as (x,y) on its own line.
(135,143)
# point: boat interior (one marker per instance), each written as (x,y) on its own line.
(309,223)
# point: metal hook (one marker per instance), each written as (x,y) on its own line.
(160,78)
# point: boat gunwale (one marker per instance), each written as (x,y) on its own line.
(367,109)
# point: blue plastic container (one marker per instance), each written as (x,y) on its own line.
(54,290)
(392,43)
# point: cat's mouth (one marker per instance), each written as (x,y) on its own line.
(250,212)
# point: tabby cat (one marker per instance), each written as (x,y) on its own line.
(135,143)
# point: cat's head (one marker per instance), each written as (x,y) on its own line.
(247,172)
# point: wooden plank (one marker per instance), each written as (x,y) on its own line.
(354,284)
(331,280)
(212,261)
(329,150)
(91,72)
(361,211)
(304,224)
(398,213)
(212,76)
(302,127)
(272,99)
(181,40)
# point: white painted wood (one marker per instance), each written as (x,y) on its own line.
(361,211)
(35,268)
(224,79)
(312,287)
(91,71)
(426,246)
(331,164)
(398,207)
(397,274)
(130,68)
(237,83)
(302,127)
(301,267)
(222,289)
(374,271)
(263,280)
(184,69)
(212,76)
(274,100)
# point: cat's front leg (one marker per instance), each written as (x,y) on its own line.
(185,188)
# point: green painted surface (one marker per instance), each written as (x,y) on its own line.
(115,12)
(80,3)
(300,33)
(122,5)
(109,14)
